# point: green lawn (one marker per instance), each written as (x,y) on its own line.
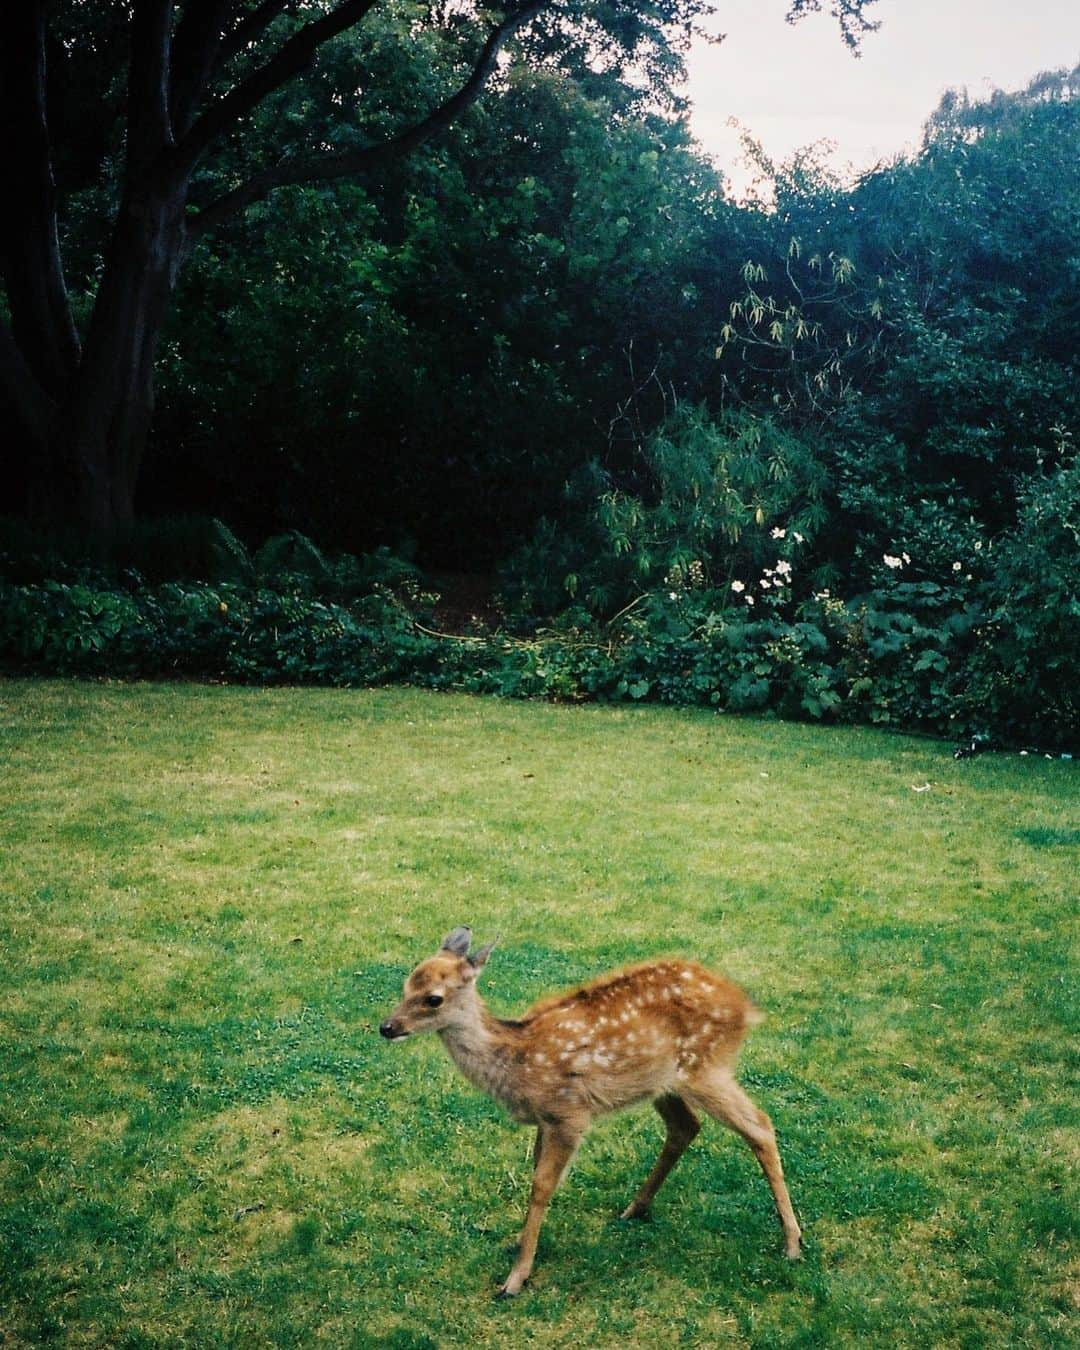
(210,896)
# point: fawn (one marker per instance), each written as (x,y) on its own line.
(666,1031)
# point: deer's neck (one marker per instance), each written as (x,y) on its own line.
(482,1047)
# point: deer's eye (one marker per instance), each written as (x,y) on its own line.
(433,1000)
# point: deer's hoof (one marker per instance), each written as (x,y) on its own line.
(633,1212)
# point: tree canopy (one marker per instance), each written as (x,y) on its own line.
(138,130)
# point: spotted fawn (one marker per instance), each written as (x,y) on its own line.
(666,1031)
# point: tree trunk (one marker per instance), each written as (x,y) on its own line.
(102,430)
(83,413)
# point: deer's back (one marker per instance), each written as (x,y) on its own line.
(633,1034)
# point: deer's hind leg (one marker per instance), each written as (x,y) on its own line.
(538,1144)
(717,1092)
(682,1127)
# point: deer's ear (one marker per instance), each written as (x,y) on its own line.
(480,956)
(457,941)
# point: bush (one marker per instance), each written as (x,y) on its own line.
(1025,669)
(699,510)
(971,657)
(253,635)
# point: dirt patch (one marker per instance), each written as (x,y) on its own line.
(466,601)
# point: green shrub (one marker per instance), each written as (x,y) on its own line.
(1025,669)
(292,554)
(905,653)
(972,657)
(698,511)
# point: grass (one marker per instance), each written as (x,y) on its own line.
(209,896)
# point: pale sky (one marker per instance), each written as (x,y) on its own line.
(793,85)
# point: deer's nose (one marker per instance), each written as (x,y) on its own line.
(389,1029)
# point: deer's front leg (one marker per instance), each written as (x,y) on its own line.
(557,1144)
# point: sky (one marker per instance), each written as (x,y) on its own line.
(793,85)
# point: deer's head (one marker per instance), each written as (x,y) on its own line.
(439,991)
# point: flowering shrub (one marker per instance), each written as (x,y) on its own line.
(995,653)
(694,514)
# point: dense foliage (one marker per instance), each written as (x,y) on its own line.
(992,657)
(475,339)
(139,130)
(560,276)
(815,455)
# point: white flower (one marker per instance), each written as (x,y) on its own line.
(798,537)
(777,533)
(906,557)
(765,583)
(749,599)
(783,568)
(893,562)
(956,567)
(978,545)
(738,587)
(673,595)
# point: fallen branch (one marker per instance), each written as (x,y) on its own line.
(447,637)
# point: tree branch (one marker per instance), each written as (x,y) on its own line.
(854,24)
(195,55)
(296,55)
(149,129)
(322,168)
(42,325)
(249,28)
